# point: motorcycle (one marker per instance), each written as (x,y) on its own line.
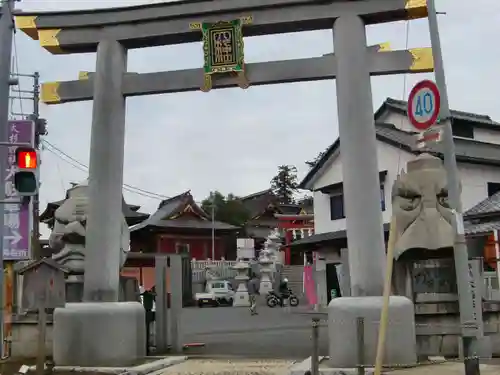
(273,299)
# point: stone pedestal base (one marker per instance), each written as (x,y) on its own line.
(265,287)
(241,299)
(107,334)
(400,345)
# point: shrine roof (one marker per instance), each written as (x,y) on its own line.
(258,203)
(291,209)
(169,215)
(129,211)
(48,261)
(187,223)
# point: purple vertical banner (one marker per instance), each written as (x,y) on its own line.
(17,217)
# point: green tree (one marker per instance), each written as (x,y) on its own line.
(284,184)
(228,209)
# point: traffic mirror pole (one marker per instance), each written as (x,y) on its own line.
(6,36)
(471,322)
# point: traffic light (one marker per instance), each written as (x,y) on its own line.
(26,175)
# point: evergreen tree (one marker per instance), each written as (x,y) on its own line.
(228,209)
(284,184)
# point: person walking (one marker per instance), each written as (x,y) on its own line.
(148,301)
(253,292)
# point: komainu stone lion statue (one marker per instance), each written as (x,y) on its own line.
(424,219)
(67,239)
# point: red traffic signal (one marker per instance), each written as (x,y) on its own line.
(26,158)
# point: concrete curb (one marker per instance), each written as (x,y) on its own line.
(143,369)
(300,368)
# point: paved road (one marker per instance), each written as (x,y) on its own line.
(274,333)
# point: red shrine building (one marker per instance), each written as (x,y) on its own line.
(295,227)
(181,226)
(294,221)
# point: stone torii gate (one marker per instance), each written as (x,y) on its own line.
(111,32)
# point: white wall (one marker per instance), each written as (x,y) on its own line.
(475,180)
(393,160)
(390,159)
(487,135)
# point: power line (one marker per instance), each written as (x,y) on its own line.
(84,168)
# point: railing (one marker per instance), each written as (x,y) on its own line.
(203,264)
(492,290)
(219,268)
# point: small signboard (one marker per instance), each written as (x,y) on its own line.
(17,217)
(424,104)
(429,136)
(223,49)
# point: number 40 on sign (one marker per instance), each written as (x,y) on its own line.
(424,104)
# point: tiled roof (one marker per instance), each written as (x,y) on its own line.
(401,107)
(486,206)
(174,205)
(481,228)
(467,150)
(323,237)
(129,211)
(192,223)
(258,202)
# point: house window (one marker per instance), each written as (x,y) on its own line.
(462,129)
(181,248)
(337,207)
(382,197)
(337,204)
(493,188)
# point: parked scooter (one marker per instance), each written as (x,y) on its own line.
(273,299)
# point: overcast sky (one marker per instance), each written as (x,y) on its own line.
(178,142)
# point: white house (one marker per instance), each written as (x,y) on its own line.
(477,140)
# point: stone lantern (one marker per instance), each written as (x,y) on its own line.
(266,270)
(241,298)
(272,245)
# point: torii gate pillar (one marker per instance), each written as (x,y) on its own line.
(102,331)
(364,215)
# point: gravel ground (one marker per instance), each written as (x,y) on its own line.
(448,368)
(230,367)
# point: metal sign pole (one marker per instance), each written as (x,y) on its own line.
(470,320)
(6,36)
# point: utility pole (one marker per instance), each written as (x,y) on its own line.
(36,199)
(471,323)
(6,36)
(40,129)
(213,227)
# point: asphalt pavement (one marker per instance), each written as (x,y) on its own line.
(232,331)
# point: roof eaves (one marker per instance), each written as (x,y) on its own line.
(400,106)
(255,195)
(311,175)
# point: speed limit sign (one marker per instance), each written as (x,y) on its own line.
(424,104)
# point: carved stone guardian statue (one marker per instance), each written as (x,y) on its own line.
(67,239)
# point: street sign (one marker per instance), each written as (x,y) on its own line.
(17,217)
(429,137)
(424,104)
